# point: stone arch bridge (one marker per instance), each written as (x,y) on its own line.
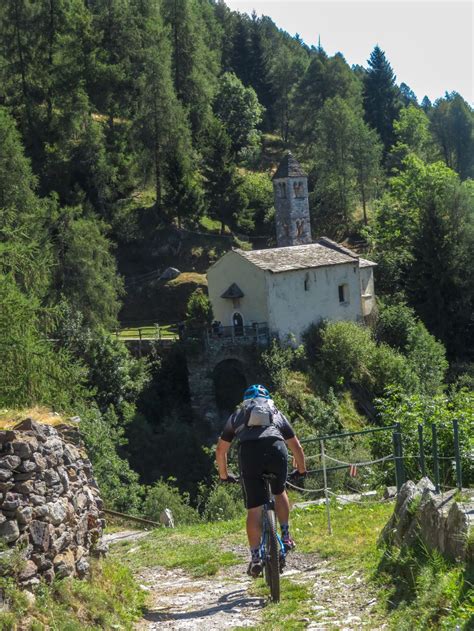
(218,373)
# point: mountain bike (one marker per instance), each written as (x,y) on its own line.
(272,550)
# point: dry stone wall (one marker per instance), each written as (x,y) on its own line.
(50,507)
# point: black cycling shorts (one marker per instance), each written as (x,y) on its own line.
(266,455)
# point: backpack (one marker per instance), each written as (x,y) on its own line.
(256,415)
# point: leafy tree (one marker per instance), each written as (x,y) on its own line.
(452,122)
(366,157)
(381,100)
(238,109)
(103,437)
(258,189)
(398,326)
(346,164)
(423,231)
(412,134)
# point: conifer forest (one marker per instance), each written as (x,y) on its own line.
(141,134)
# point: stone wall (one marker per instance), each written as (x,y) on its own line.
(50,507)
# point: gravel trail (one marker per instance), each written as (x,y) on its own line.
(177,600)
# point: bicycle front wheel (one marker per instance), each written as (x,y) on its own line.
(272,557)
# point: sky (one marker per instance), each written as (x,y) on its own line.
(429,43)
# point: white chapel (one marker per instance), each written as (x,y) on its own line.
(300,282)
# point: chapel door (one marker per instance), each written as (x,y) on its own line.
(238,323)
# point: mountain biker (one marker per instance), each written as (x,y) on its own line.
(263,433)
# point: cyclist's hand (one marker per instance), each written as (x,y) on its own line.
(230,479)
(295,475)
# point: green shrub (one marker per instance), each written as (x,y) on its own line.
(224,502)
(162,495)
(199,309)
(410,410)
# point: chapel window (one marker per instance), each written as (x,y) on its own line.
(343,293)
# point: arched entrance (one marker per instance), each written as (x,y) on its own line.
(229,385)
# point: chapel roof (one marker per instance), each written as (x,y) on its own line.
(289,167)
(320,254)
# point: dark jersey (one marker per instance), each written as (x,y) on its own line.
(235,427)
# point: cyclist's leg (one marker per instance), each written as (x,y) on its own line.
(254,526)
(282,507)
(278,464)
(254,497)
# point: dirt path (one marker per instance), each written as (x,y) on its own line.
(178,600)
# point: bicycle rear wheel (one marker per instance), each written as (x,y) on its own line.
(272,557)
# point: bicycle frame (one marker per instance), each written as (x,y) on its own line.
(269,505)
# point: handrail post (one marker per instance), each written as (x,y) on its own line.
(422,450)
(400,453)
(434,432)
(395,457)
(326,494)
(457,454)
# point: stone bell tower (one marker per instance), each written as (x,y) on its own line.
(290,188)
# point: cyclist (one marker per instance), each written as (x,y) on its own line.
(263,433)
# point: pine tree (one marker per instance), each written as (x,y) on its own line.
(159,120)
(194,65)
(224,196)
(381,101)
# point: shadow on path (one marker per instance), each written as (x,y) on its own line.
(225,604)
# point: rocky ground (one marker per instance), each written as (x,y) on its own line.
(178,600)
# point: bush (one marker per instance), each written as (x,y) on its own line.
(118,483)
(398,327)
(410,410)
(162,495)
(224,502)
(199,308)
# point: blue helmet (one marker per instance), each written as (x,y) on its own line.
(255,391)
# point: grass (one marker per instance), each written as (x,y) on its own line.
(199,549)
(293,610)
(110,599)
(9,418)
(188,277)
(149,332)
(355,530)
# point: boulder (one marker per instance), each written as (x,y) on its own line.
(166,518)
(438,520)
(170,273)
